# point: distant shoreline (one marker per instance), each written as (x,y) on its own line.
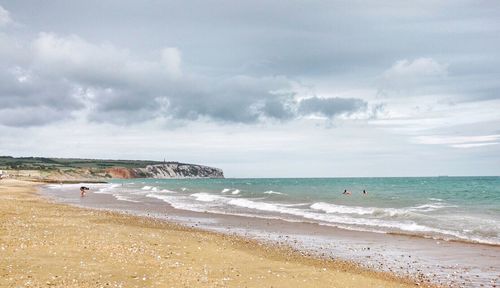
(76,169)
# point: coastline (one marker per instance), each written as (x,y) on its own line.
(45,243)
(426,260)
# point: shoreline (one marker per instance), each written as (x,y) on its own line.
(266,265)
(425,260)
(461,241)
(392,233)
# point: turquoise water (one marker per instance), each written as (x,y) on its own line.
(460,208)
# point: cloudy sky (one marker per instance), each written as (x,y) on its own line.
(258,88)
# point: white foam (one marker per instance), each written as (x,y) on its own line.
(431,207)
(183,202)
(53,186)
(430,217)
(274,192)
(108,189)
(263,206)
(184,188)
(331,218)
(167,191)
(124,198)
(333,208)
(294,205)
(164,198)
(407,219)
(341,221)
(205,197)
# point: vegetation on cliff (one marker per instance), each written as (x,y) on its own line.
(72,168)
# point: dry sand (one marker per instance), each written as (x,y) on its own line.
(47,244)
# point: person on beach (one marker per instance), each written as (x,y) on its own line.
(82,190)
(346,192)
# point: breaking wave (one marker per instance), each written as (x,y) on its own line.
(274,192)
(426,217)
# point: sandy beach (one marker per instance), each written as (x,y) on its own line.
(249,144)
(47,244)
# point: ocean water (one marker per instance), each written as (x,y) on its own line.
(450,208)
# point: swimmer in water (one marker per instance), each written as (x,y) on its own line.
(347,192)
(364,192)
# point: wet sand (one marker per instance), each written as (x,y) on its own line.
(49,244)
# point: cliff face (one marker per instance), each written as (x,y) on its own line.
(122,173)
(167,170)
(179,170)
(80,169)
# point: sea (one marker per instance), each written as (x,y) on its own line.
(444,209)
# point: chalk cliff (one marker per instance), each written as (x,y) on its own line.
(167,170)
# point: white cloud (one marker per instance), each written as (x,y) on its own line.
(4,17)
(406,78)
(426,116)
(171,58)
(420,67)
(73,56)
(460,141)
(474,145)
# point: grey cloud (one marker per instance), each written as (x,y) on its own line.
(235,99)
(120,106)
(278,110)
(111,85)
(21,88)
(330,40)
(26,99)
(32,116)
(126,89)
(292,37)
(331,107)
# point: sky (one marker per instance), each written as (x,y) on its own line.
(257,88)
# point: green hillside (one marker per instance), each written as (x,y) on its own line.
(42,163)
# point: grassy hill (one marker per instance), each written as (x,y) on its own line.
(42,163)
